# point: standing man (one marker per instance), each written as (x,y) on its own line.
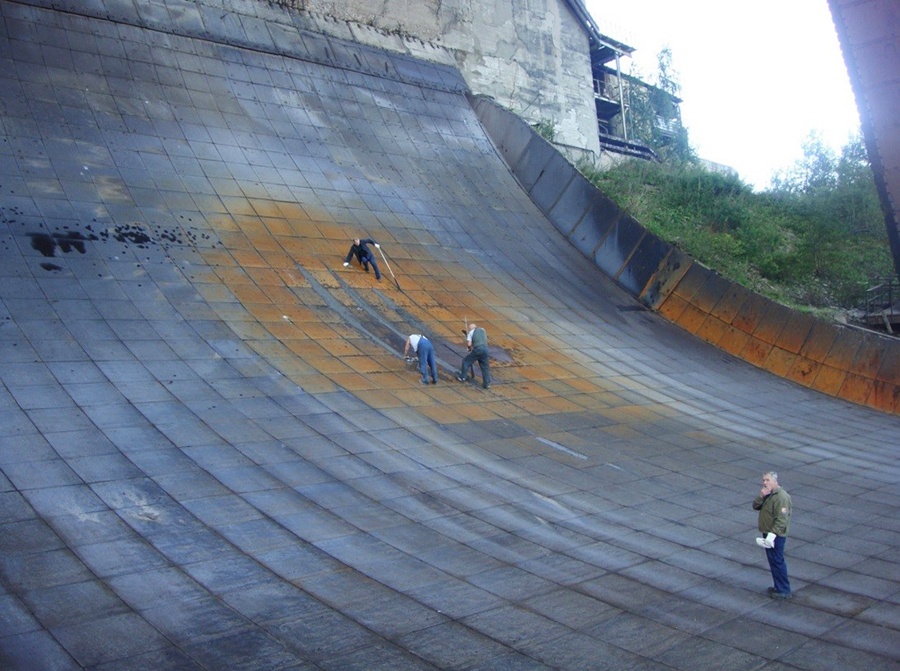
(476,341)
(774,506)
(364,255)
(423,347)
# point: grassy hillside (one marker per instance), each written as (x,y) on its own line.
(813,241)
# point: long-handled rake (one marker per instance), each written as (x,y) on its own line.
(389,268)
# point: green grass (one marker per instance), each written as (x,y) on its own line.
(814,250)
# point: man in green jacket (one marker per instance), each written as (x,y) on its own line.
(476,341)
(774,506)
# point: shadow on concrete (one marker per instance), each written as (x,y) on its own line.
(214,456)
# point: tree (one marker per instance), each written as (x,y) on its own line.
(838,216)
(655,116)
(859,206)
(816,170)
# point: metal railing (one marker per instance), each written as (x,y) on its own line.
(882,302)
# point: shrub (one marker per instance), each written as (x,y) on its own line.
(812,240)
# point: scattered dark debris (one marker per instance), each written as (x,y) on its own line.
(47,244)
(135,234)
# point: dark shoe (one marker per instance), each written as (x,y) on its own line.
(485,386)
(769,590)
(780,595)
(434,382)
(460,378)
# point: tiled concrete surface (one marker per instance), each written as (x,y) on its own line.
(213,456)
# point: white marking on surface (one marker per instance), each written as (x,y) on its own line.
(551,502)
(561,448)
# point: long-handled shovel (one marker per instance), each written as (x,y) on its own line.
(389,268)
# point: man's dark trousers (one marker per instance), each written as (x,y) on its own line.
(426,359)
(366,260)
(479,354)
(778,566)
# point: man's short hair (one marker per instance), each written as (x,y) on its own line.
(772,474)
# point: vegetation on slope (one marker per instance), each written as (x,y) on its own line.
(814,240)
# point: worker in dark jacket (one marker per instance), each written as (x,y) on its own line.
(364,255)
(774,506)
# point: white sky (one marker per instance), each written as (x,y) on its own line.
(756,75)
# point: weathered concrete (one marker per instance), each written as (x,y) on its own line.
(213,456)
(532,58)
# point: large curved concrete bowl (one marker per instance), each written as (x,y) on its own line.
(213,456)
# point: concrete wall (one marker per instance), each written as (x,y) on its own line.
(867,30)
(859,366)
(531,56)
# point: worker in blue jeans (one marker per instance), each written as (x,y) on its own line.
(422,346)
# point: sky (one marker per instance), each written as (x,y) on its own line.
(756,76)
